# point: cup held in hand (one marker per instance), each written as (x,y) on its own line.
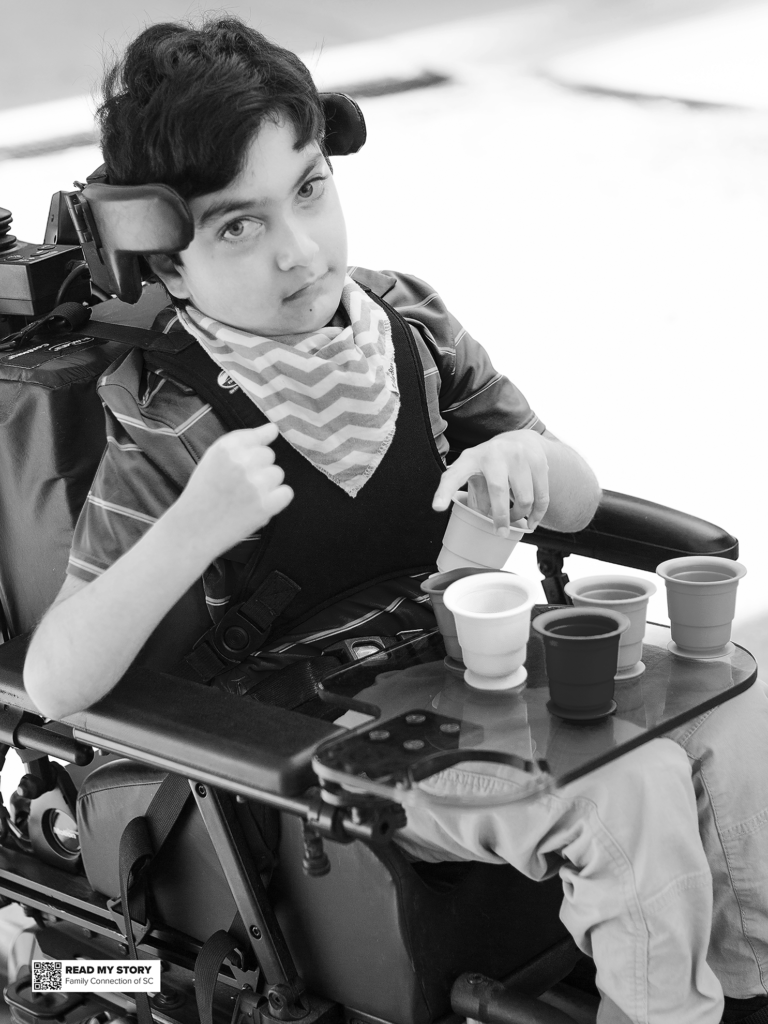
(492,611)
(626,594)
(471,540)
(701,601)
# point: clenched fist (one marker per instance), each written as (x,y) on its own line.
(235,490)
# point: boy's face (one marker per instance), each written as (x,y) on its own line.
(269,254)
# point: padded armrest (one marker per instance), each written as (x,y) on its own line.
(198,731)
(638,533)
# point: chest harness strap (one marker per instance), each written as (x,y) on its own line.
(245,626)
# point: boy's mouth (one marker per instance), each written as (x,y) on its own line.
(310,290)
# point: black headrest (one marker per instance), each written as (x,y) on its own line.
(345,130)
(116,224)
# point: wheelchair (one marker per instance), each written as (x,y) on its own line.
(262,900)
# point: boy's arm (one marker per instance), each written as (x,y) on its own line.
(549,482)
(505,446)
(93,631)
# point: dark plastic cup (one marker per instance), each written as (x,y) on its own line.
(435,586)
(581,652)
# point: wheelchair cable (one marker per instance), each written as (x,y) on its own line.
(68,316)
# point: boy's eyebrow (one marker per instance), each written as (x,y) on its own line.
(225,206)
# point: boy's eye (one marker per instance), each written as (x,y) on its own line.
(312,189)
(241,228)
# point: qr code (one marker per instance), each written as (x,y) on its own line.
(46,975)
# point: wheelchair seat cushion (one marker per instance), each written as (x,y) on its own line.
(189,891)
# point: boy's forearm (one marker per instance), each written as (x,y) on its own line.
(574,492)
(87,642)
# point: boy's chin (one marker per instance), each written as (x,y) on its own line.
(319,315)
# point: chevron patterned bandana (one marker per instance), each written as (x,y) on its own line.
(333,395)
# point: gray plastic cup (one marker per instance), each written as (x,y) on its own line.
(701,601)
(435,586)
(626,594)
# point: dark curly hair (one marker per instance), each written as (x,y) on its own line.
(183,104)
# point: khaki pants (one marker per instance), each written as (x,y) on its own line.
(657,851)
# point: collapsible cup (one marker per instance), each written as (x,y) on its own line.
(471,540)
(435,586)
(701,600)
(626,594)
(581,652)
(493,621)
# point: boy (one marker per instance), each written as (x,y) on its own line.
(364,381)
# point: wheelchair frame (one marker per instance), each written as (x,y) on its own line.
(262,983)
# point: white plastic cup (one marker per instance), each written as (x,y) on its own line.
(471,540)
(701,601)
(626,594)
(492,611)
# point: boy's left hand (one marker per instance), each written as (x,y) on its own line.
(512,464)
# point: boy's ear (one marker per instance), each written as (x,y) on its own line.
(170,274)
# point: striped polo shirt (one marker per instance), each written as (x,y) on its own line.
(158,429)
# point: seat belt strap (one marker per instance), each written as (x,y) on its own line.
(141,840)
(209,961)
(135,853)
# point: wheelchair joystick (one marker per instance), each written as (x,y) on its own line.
(7,240)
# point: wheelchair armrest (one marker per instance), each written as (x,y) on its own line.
(637,533)
(194,730)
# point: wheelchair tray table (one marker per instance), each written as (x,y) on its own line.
(426,718)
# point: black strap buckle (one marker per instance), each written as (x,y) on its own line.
(237,634)
(357,647)
(243,629)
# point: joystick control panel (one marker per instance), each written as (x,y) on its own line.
(30,275)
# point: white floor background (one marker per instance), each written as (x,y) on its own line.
(610,254)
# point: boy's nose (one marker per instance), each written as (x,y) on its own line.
(295,249)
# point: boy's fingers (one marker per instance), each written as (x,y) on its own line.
(479,498)
(255,458)
(451,481)
(252,458)
(539,495)
(497,481)
(540,499)
(521,486)
(265,434)
(278,499)
(268,478)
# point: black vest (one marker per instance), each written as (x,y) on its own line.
(327,543)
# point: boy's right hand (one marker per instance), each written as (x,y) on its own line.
(234,490)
